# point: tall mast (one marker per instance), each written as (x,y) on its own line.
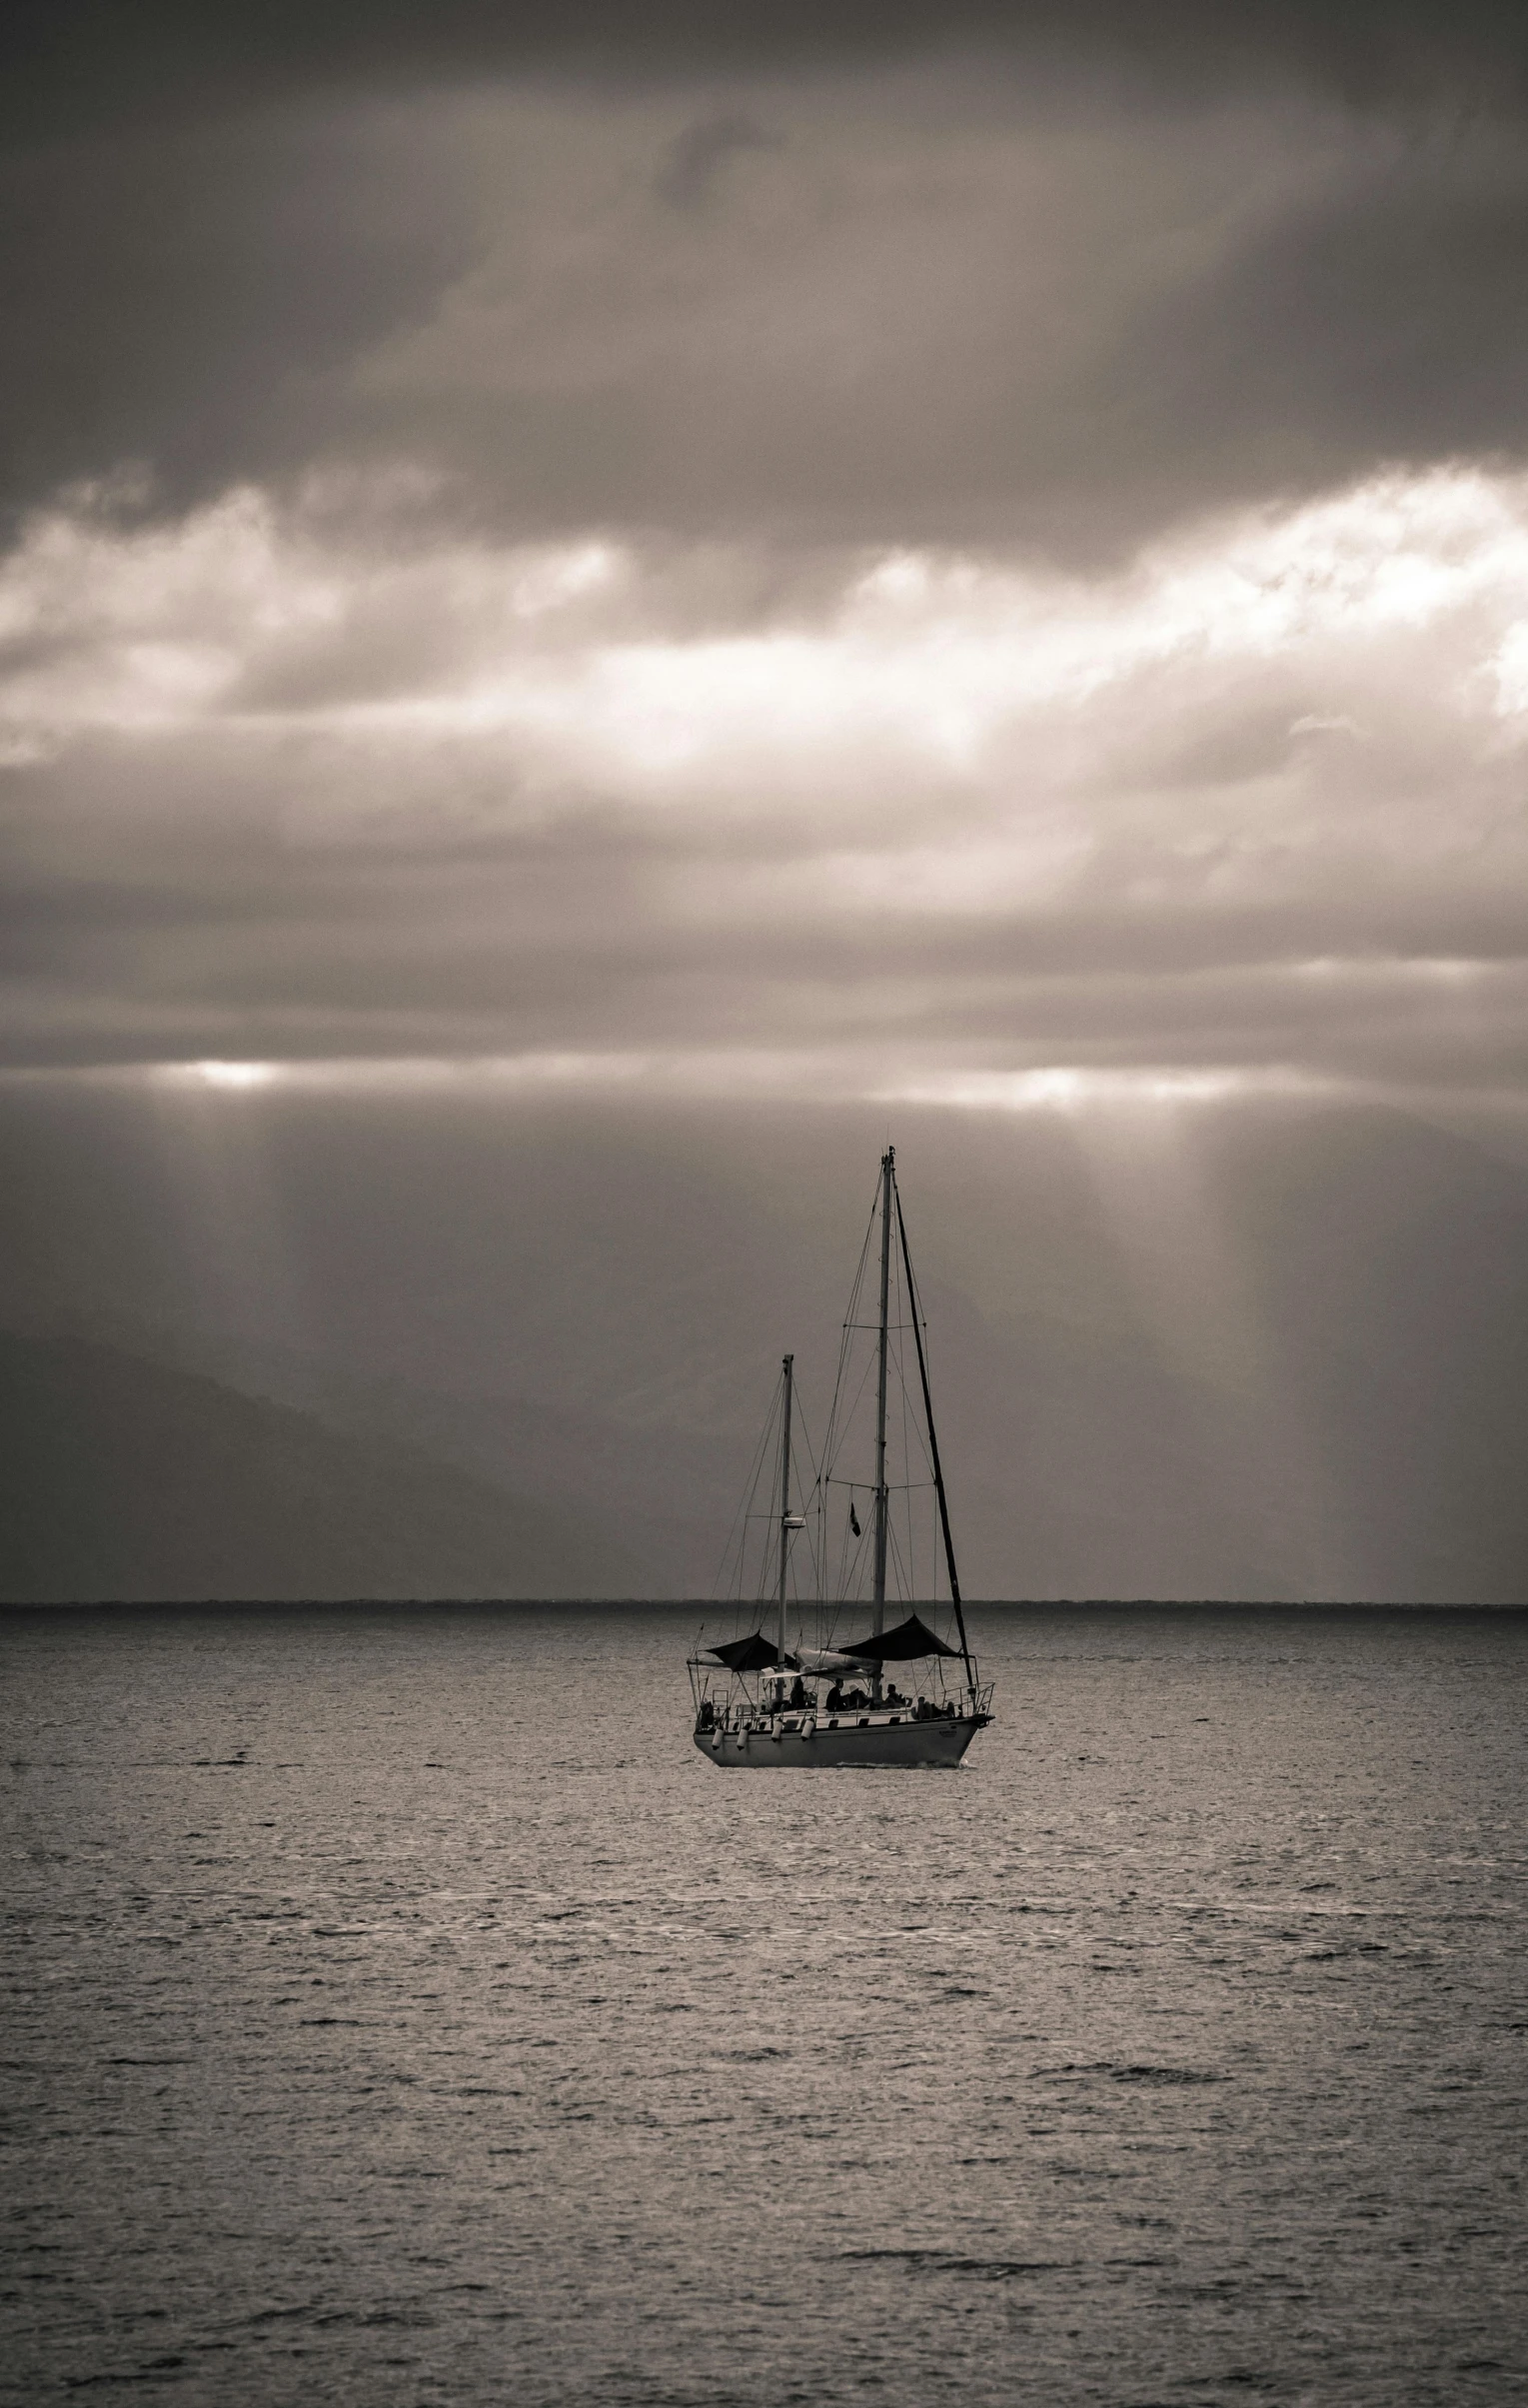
(933,1452)
(784,1507)
(887,1165)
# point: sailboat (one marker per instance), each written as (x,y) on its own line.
(770,1697)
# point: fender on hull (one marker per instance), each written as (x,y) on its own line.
(935,1745)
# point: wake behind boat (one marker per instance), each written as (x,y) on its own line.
(765,1698)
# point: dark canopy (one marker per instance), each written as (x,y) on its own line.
(752,1655)
(909,1638)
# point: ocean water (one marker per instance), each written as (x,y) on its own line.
(398,2009)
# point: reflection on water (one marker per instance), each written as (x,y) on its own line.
(402,2010)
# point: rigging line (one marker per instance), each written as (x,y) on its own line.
(894,1488)
(838,1479)
(901,1387)
(737,1534)
(858,1281)
(918,1434)
(807,1544)
(902,1568)
(934,1449)
(849,1394)
(908,1427)
(843,1410)
(847,1418)
(814,1509)
(808,1492)
(845,1341)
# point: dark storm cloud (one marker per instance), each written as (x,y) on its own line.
(70,61)
(218,227)
(176,299)
(696,156)
(1373,315)
(931,313)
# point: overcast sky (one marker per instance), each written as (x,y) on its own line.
(959,554)
(860,549)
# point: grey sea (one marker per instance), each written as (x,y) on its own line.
(398,2009)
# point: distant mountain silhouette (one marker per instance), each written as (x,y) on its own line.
(663,1488)
(127,1479)
(1276,1352)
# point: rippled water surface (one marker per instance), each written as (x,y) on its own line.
(400,2009)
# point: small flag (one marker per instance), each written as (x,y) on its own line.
(854,1518)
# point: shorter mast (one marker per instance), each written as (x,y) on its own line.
(934,1449)
(784,1506)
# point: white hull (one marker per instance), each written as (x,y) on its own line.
(939,1742)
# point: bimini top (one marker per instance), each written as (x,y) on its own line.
(909,1638)
(755,1653)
